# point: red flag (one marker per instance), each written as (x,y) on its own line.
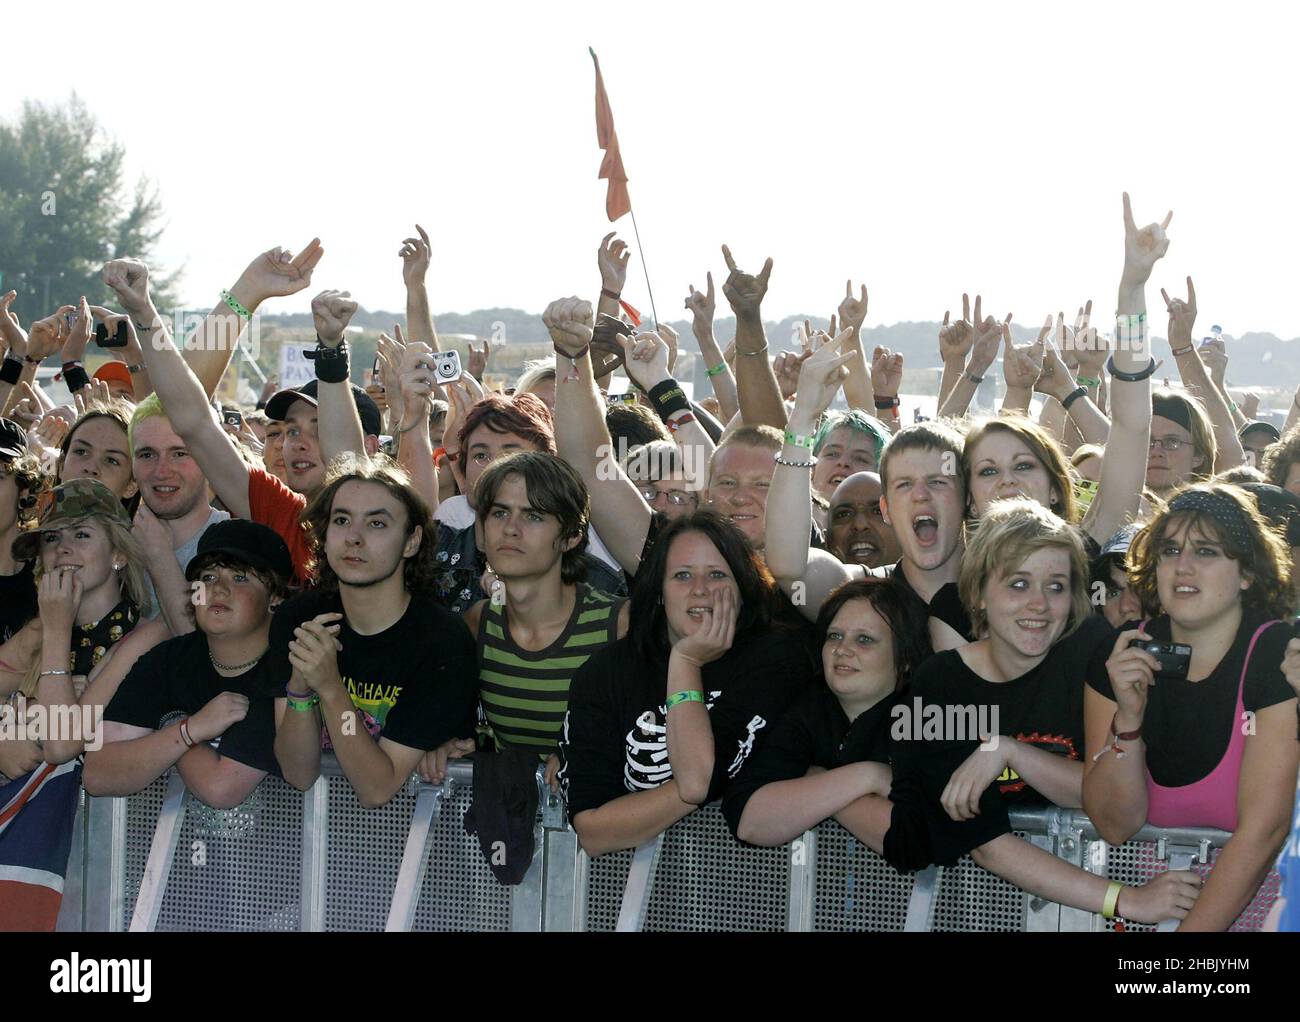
(617,201)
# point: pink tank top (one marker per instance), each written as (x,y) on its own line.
(1211,801)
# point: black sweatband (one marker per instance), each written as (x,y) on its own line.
(1137,377)
(331,363)
(1072,397)
(11,371)
(667,398)
(76,377)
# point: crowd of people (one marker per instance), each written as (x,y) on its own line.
(744,596)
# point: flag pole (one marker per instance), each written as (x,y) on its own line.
(654,315)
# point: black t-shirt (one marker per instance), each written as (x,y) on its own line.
(945,605)
(1043,708)
(815,731)
(17,601)
(1188,724)
(415,683)
(615,738)
(176,679)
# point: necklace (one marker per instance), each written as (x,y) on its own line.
(236,667)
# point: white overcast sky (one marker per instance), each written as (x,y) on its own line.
(926,148)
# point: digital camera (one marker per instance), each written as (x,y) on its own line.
(1174,657)
(446,366)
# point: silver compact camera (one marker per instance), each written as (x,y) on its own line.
(446,367)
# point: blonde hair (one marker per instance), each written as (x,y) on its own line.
(1042,446)
(1010,532)
(1198,425)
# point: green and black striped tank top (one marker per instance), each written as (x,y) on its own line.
(525,694)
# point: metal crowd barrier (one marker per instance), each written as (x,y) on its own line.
(288,860)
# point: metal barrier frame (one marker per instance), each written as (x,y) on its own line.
(555,894)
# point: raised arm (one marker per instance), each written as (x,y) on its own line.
(1124,468)
(132,355)
(416,253)
(858,385)
(272,274)
(1021,367)
(986,344)
(414,452)
(1057,382)
(339,422)
(180,391)
(702,306)
(756,386)
(955,340)
(1195,376)
(618,511)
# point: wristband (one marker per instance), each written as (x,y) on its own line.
(289,693)
(75,376)
(973,378)
(611,295)
(185,733)
(1137,377)
(886,402)
(11,370)
(1072,397)
(331,363)
(666,397)
(798,440)
(31,361)
(1112,899)
(760,351)
(56,673)
(230,300)
(718,369)
(1232,406)
(675,424)
(133,369)
(689,696)
(794,464)
(303,705)
(1180,352)
(1084,381)
(572,374)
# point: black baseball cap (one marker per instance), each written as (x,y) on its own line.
(251,543)
(13,440)
(1259,426)
(371,420)
(1281,508)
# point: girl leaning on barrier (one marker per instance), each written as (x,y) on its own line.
(829,755)
(660,721)
(90,590)
(1200,731)
(1023,581)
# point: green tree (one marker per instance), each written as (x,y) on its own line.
(65,210)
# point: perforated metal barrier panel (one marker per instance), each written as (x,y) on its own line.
(243,869)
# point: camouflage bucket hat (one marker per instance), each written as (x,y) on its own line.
(73,501)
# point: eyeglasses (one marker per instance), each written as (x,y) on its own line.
(1169,443)
(677,498)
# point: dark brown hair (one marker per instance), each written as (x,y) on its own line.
(525,415)
(903,611)
(420,567)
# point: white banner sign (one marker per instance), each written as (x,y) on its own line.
(295,369)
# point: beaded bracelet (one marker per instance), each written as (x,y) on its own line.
(794,464)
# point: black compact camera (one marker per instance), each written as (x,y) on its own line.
(1174,657)
(119,339)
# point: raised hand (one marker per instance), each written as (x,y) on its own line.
(129,280)
(702,305)
(1055,379)
(669,336)
(886,372)
(853,311)
(987,341)
(1250,404)
(786,367)
(330,312)
(1022,366)
(1132,672)
(1214,354)
(1083,337)
(820,377)
(478,360)
(1144,247)
(270,388)
(74,344)
(611,258)
(1182,316)
(645,358)
(50,430)
(415,253)
(955,339)
(27,408)
(13,336)
(744,291)
(279,272)
(569,322)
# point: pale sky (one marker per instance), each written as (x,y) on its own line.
(926,148)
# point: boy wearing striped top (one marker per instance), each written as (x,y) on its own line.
(542,622)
